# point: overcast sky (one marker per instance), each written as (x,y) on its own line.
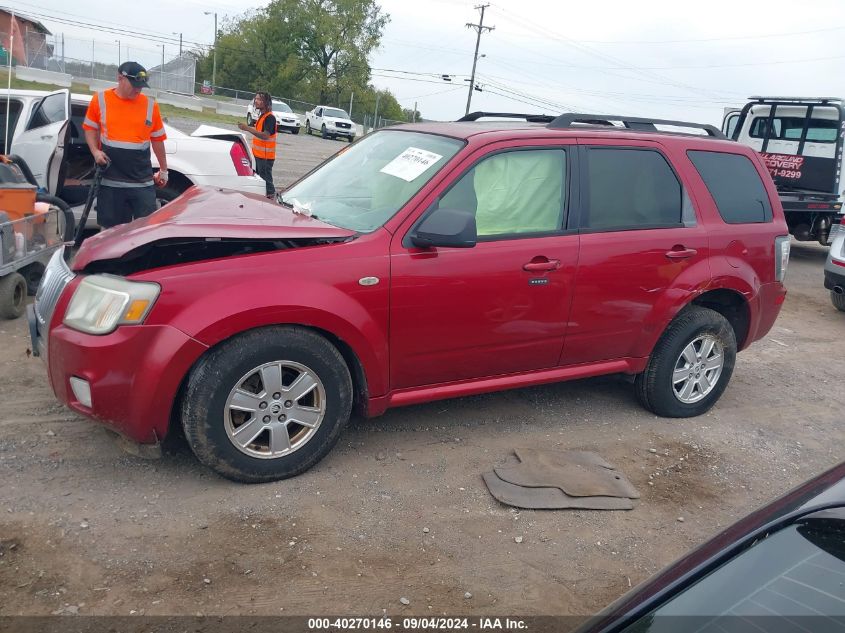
(679,60)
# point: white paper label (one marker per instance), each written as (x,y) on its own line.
(410,163)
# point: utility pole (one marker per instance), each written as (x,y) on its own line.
(351,96)
(375,118)
(414,113)
(479,28)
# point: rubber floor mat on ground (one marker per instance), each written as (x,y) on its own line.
(547,479)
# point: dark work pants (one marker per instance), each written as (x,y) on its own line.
(119,205)
(264,168)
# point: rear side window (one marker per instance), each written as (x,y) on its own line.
(631,188)
(735,186)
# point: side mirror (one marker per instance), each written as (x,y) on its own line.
(453,228)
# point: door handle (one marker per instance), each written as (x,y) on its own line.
(539,266)
(46,137)
(681,253)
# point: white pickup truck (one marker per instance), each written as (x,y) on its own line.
(330,122)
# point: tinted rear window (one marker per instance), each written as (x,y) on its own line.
(631,188)
(735,186)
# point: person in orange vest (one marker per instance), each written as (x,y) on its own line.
(264,141)
(121,125)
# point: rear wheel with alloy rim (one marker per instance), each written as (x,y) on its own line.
(307,128)
(838,300)
(690,366)
(267,404)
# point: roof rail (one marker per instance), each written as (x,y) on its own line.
(531,118)
(633,123)
(798,99)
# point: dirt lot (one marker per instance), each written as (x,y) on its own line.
(399,509)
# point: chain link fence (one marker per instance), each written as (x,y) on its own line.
(170,70)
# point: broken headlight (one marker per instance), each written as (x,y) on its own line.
(102,302)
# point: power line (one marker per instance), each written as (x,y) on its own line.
(619,64)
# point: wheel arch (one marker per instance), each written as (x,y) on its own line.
(731,305)
(360,391)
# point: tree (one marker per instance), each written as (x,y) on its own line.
(335,38)
(412,115)
(316,49)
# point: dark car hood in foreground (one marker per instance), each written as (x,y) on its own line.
(207,213)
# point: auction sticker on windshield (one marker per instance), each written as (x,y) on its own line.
(410,163)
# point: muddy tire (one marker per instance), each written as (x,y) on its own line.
(690,366)
(838,301)
(267,404)
(12,296)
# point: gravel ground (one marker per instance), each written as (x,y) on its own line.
(398,510)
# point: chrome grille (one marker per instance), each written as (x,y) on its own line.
(57,275)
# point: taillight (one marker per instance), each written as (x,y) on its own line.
(240,159)
(782,245)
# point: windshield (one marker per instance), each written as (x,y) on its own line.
(280,106)
(334,112)
(364,186)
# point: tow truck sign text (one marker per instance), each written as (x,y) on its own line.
(783,165)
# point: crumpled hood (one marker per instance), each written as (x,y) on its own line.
(206,212)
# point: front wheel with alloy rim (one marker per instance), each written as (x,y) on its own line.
(307,127)
(267,404)
(690,366)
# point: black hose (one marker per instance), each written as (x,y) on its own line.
(69,219)
(92,193)
(21,163)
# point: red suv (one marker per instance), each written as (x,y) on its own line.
(423,262)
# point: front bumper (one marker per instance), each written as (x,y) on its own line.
(340,131)
(133,373)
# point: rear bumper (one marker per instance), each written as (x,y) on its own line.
(769,302)
(834,278)
(134,375)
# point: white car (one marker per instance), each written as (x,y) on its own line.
(286,119)
(46,131)
(330,122)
